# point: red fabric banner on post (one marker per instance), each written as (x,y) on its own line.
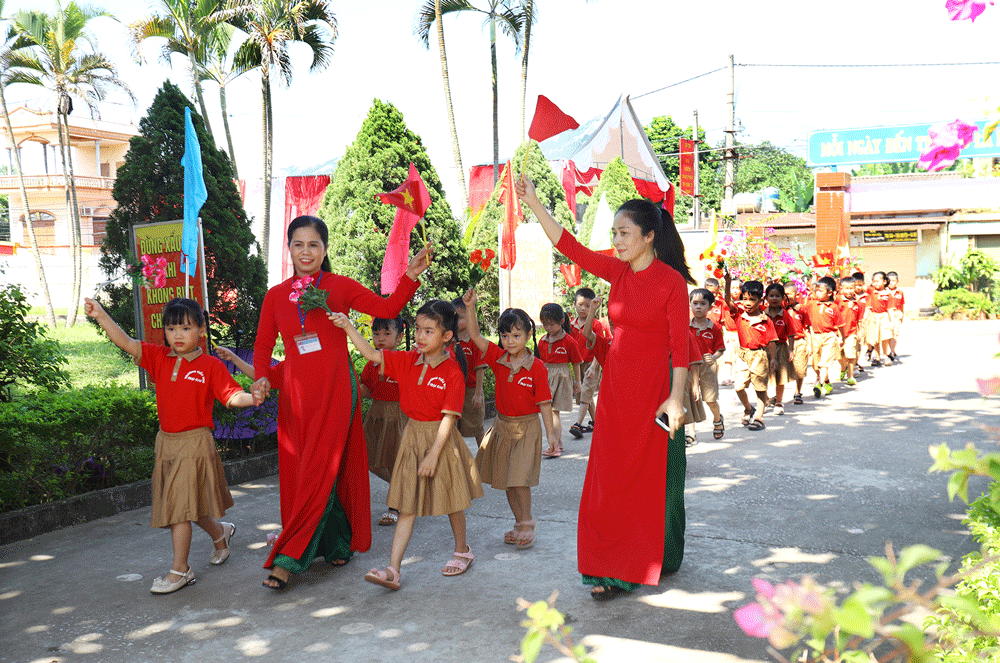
(571,273)
(687,166)
(511,218)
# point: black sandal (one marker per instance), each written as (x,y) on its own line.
(719,428)
(608,592)
(797,400)
(576,431)
(756,424)
(281,583)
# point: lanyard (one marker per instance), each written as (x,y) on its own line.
(302,315)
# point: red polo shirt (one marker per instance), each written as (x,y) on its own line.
(823,317)
(383,387)
(521,386)
(426,392)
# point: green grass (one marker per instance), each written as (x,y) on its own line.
(93,359)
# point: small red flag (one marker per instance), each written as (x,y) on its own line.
(511,218)
(549,120)
(571,273)
(412,199)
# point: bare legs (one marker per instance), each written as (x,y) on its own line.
(180,534)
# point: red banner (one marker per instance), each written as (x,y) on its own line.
(687,166)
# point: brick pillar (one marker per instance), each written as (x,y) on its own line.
(833,211)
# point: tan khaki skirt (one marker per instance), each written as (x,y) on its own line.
(188,480)
(383,427)
(695,409)
(561,386)
(471,422)
(879,328)
(511,454)
(455,482)
(785,372)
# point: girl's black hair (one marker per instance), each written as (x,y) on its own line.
(444,314)
(180,310)
(667,242)
(858,276)
(884,277)
(515,317)
(319,226)
(888,274)
(555,313)
(755,288)
(775,286)
(829,282)
(704,293)
(400,323)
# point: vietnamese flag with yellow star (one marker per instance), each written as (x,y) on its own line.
(412,200)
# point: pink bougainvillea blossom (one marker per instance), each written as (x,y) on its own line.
(947,141)
(753,619)
(988,386)
(965,10)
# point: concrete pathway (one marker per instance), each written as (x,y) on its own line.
(817,492)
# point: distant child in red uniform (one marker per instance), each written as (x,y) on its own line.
(188,481)
(783,372)
(757,349)
(711,347)
(384,422)
(509,458)
(694,411)
(730,338)
(896,304)
(562,359)
(715,312)
(861,298)
(589,368)
(850,314)
(823,320)
(434,474)
(798,339)
(879,327)
(470,424)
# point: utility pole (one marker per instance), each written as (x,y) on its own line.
(696,216)
(730,134)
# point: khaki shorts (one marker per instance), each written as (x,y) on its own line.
(590,384)
(895,321)
(800,357)
(709,381)
(753,372)
(879,329)
(826,349)
(852,347)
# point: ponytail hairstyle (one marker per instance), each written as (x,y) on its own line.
(320,227)
(667,243)
(444,315)
(555,313)
(179,311)
(400,324)
(515,317)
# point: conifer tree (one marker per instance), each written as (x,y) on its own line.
(150,187)
(378,161)
(485,234)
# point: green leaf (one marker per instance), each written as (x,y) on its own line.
(537,610)
(854,619)
(958,484)
(870,595)
(913,638)
(915,555)
(885,567)
(532,644)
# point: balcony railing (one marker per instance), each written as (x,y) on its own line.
(56,182)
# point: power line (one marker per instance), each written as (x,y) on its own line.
(854,66)
(646,94)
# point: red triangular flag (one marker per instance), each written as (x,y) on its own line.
(411,195)
(412,200)
(571,273)
(511,216)
(549,120)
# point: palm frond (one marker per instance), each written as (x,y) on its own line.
(322,49)
(426,16)
(511,22)
(153,26)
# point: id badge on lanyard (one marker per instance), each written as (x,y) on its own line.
(307,342)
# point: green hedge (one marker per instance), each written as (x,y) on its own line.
(960,303)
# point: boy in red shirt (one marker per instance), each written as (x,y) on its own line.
(850,314)
(711,347)
(798,341)
(822,317)
(861,297)
(879,329)
(590,369)
(896,303)
(758,342)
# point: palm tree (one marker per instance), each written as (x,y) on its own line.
(187,27)
(529,10)
(498,12)
(57,62)
(432,10)
(220,68)
(12,42)
(271,27)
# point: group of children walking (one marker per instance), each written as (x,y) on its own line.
(770,336)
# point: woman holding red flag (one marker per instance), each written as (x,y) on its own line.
(631,521)
(322,458)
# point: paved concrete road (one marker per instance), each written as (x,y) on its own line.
(817,492)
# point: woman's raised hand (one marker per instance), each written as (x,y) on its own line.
(420,262)
(525,190)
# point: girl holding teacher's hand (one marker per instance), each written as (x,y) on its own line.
(631,521)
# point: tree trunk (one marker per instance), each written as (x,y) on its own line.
(266,212)
(39,267)
(77,235)
(496,115)
(69,211)
(451,110)
(225,124)
(524,63)
(198,94)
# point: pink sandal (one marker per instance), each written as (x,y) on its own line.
(526,539)
(381,577)
(510,538)
(458,563)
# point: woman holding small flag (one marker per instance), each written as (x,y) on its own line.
(631,521)
(322,458)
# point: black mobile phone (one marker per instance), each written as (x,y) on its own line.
(663,422)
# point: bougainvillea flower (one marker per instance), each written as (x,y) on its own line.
(490,254)
(947,141)
(965,10)
(988,386)
(754,621)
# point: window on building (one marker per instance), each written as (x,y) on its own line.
(45,231)
(100,230)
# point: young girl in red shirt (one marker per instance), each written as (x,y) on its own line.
(710,348)
(509,458)
(562,360)
(188,481)
(783,372)
(879,325)
(384,421)
(434,474)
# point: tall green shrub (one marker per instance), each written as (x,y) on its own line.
(377,161)
(27,355)
(150,187)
